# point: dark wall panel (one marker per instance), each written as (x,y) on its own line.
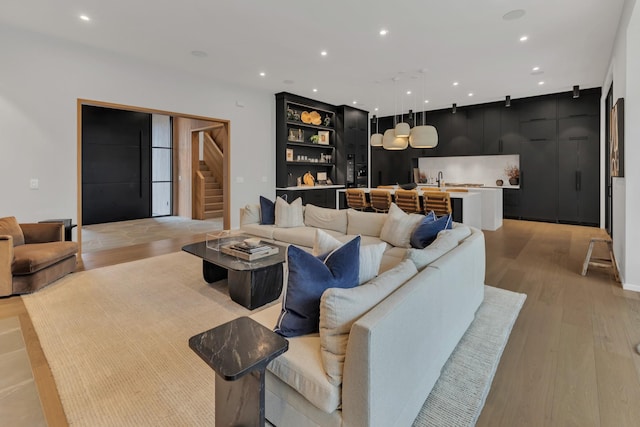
(115,165)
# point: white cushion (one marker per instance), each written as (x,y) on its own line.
(341,308)
(398,227)
(459,231)
(365,223)
(250,214)
(301,366)
(260,230)
(423,257)
(370,255)
(299,236)
(289,215)
(329,219)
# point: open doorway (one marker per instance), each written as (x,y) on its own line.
(158,168)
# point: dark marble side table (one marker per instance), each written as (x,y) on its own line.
(239,351)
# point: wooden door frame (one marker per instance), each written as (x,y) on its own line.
(226,166)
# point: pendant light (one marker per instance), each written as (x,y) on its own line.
(389,140)
(402,129)
(423,136)
(376,138)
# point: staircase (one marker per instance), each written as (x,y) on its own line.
(212,193)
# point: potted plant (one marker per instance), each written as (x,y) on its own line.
(513,173)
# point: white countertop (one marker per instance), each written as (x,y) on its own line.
(309,187)
(489,187)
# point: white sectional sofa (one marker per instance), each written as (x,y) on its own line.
(394,350)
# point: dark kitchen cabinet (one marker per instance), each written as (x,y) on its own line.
(353,146)
(511,203)
(542,108)
(538,177)
(578,171)
(501,133)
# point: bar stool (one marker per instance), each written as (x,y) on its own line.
(600,262)
(380,200)
(357,199)
(408,200)
(438,202)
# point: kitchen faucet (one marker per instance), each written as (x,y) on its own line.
(440,179)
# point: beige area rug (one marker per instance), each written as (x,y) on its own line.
(19,400)
(98,237)
(116,339)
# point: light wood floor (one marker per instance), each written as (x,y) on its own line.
(570,360)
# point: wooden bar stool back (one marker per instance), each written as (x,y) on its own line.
(357,199)
(438,202)
(600,262)
(380,200)
(408,200)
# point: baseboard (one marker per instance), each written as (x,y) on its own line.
(630,287)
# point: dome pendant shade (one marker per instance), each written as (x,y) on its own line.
(391,142)
(376,140)
(423,137)
(402,130)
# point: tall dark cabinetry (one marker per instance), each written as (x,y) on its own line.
(353,143)
(343,155)
(115,165)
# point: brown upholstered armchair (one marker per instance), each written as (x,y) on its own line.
(33,255)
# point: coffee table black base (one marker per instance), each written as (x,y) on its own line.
(249,288)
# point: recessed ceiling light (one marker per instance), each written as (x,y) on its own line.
(376,109)
(535,69)
(315,90)
(456,83)
(262,74)
(541,83)
(426,101)
(198,53)
(384,32)
(408,92)
(85,18)
(323,53)
(513,14)
(524,38)
(355,102)
(470,93)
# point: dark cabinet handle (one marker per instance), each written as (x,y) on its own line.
(578,115)
(537,139)
(578,138)
(500,146)
(521,182)
(538,119)
(140,160)
(578,180)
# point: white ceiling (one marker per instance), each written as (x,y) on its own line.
(455,40)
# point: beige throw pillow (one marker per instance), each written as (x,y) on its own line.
(341,308)
(398,227)
(370,255)
(326,218)
(365,223)
(289,215)
(423,257)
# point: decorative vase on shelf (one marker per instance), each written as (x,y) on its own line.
(514,181)
(499,183)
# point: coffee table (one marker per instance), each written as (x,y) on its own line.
(252,284)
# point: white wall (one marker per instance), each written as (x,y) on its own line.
(624,71)
(40,82)
(469,169)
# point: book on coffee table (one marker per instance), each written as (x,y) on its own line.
(236,251)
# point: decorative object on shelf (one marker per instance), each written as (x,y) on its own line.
(299,181)
(327,121)
(289,154)
(323,137)
(314,139)
(289,113)
(513,173)
(308,179)
(315,118)
(499,182)
(321,178)
(296,116)
(296,135)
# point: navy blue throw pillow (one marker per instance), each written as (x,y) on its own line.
(427,231)
(309,277)
(268,210)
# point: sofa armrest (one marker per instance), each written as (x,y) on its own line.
(6,259)
(43,232)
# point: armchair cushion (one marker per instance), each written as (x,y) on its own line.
(43,232)
(34,257)
(9,226)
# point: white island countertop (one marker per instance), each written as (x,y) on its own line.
(309,187)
